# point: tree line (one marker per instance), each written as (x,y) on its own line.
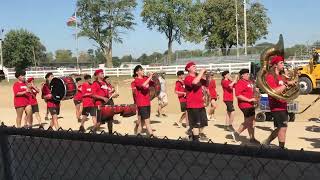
(104,21)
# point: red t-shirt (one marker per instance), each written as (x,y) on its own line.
(194,92)
(212,89)
(244,88)
(20,101)
(33,97)
(78,96)
(275,104)
(227,90)
(180,87)
(50,103)
(142,93)
(100,88)
(87,99)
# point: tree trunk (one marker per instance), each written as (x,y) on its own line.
(107,53)
(169,55)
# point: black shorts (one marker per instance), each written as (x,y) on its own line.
(54,110)
(86,111)
(229,105)
(76,102)
(183,106)
(197,117)
(248,112)
(35,108)
(280,118)
(144,112)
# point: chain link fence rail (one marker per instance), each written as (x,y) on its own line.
(46,154)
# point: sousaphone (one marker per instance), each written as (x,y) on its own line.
(289,94)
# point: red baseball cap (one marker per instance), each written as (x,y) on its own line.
(30,79)
(276,59)
(189,65)
(98,71)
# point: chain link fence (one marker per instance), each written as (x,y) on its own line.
(45,154)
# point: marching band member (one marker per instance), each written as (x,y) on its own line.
(101,96)
(278,108)
(197,115)
(88,103)
(111,90)
(52,106)
(181,93)
(245,95)
(33,100)
(163,97)
(134,92)
(77,99)
(142,98)
(213,96)
(227,86)
(22,98)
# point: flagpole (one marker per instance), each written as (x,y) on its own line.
(77,44)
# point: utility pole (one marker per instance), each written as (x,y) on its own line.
(236,5)
(1,38)
(245,25)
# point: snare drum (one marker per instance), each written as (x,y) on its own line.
(293,107)
(63,88)
(106,112)
(129,110)
(117,109)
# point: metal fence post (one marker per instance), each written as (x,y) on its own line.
(5,155)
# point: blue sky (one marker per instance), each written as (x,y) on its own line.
(297,20)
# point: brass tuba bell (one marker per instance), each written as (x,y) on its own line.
(292,92)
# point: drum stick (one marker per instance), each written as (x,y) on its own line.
(309,105)
(117,88)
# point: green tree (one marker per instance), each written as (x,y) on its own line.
(104,20)
(219,25)
(84,57)
(63,55)
(49,57)
(116,61)
(127,58)
(22,48)
(175,18)
(144,59)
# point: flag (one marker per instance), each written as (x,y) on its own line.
(72,20)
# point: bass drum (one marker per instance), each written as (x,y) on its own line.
(63,88)
(129,110)
(106,112)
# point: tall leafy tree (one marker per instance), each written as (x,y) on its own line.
(63,55)
(175,18)
(104,20)
(22,48)
(219,29)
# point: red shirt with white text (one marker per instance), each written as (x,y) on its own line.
(227,90)
(20,101)
(87,99)
(275,104)
(194,92)
(142,92)
(181,88)
(244,88)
